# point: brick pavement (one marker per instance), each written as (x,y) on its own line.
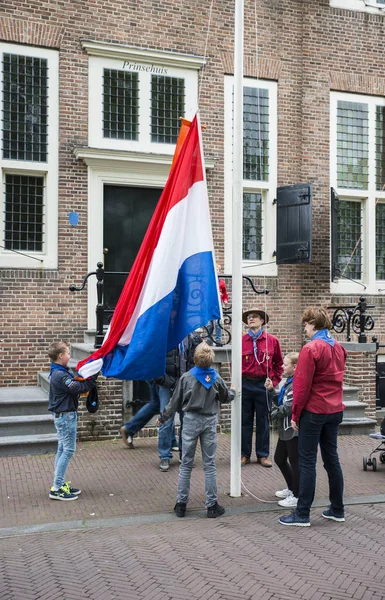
(248,557)
(118,482)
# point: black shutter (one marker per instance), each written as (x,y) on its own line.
(335,272)
(294,224)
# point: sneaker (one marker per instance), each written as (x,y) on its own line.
(215,511)
(71,490)
(283,493)
(175,448)
(127,438)
(164,465)
(61,494)
(328,514)
(294,519)
(289,502)
(180,509)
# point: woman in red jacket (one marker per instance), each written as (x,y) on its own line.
(316,413)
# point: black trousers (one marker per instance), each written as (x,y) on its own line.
(286,457)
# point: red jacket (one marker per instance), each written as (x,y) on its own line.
(269,355)
(223,290)
(318,379)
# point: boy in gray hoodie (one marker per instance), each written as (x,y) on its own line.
(198,394)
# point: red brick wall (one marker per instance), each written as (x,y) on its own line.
(307,46)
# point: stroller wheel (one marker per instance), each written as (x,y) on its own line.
(374,464)
(365,463)
(382,457)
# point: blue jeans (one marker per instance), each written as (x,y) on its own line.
(159,398)
(66,425)
(319,429)
(203,427)
(255,401)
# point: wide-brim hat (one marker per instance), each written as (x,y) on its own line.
(261,313)
(92,402)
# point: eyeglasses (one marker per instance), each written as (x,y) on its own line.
(252,316)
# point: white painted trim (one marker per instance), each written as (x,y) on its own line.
(138,174)
(142,55)
(369,6)
(367,197)
(94,156)
(95,111)
(267,188)
(48,259)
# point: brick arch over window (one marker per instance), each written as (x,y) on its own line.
(34,34)
(267,68)
(355,83)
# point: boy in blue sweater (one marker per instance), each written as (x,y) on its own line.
(64,392)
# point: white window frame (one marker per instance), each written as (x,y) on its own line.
(48,257)
(145,63)
(267,266)
(368,6)
(367,197)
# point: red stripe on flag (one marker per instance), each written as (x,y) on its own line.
(187,170)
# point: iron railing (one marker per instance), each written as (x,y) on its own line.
(104,313)
(353,318)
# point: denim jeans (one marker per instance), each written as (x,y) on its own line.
(66,425)
(255,401)
(203,427)
(159,398)
(319,429)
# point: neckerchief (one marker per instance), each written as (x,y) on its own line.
(324,335)
(56,367)
(206,377)
(254,337)
(282,390)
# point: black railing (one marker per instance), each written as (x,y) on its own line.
(104,313)
(353,318)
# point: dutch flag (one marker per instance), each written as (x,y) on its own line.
(172,288)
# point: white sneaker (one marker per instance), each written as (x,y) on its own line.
(283,493)
(289,502)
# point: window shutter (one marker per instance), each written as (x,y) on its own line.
(334,234)
(294,224)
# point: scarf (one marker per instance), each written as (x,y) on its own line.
(206,377)
(254,337)
(282,390)
(324,335)
(56,367)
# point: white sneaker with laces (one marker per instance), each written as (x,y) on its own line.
(283,493)
(289,502)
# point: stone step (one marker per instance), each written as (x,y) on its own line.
(350,393)
(43,381)
(80,351)
(17,445)
(18,401)
(354,409)
(26,425)
(362,426)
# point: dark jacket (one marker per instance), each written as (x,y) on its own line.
(191,396)
(177,365)
(282,413)
(64,390)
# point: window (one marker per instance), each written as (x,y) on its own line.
(167,105)
(369,6)
(120,105)
(358,176)
(259,175)
(29,156)
(138,96)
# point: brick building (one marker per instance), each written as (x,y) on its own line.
(90,100)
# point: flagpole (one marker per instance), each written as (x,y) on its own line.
(237,234)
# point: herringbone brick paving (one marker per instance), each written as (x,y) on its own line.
(118,482)
(246,557)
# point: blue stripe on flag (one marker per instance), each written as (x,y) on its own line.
(162,327)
